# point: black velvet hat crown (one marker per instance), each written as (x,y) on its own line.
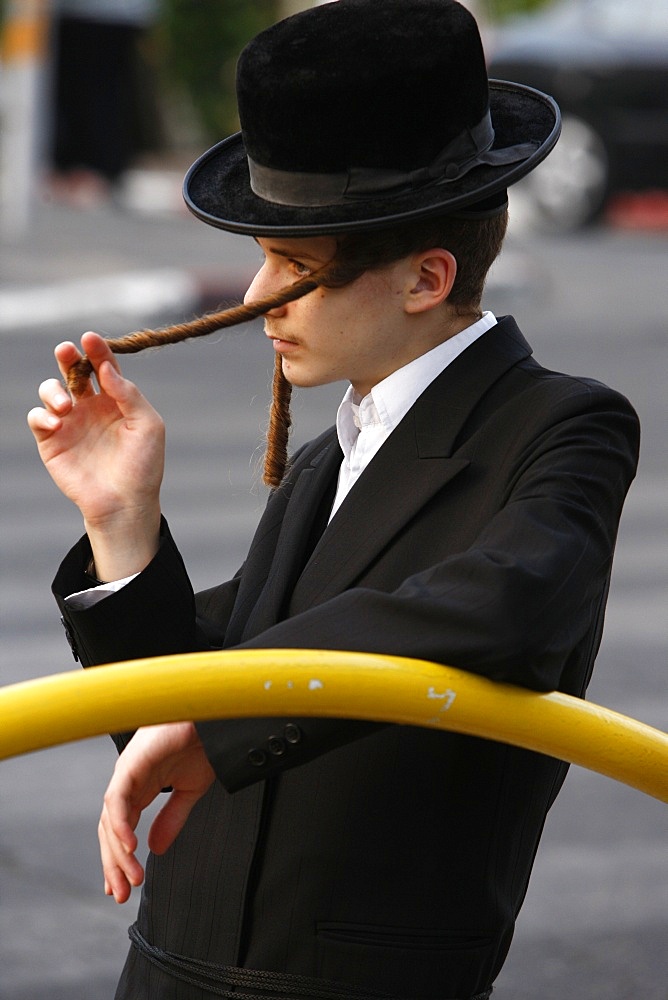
(359,114)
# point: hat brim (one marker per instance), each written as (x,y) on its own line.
(217,187)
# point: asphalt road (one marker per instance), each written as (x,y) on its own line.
(595,922)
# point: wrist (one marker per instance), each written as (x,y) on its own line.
(123,548)
(91,573)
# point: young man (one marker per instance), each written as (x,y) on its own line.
(464,510)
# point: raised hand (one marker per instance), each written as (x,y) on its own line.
(105,451)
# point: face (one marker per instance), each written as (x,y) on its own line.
(359,333)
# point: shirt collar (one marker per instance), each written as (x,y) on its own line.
(390,400)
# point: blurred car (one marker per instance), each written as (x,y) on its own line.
(606,64)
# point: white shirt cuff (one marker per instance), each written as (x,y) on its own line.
(84,599)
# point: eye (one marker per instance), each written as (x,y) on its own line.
(299,268)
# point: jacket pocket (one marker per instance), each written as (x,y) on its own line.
(404,960)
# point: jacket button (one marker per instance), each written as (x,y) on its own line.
(257,757)
(292,733)
(70,639)
(276,746)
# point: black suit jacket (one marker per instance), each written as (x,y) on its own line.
(481,535)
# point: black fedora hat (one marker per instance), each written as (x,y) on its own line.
(360,114)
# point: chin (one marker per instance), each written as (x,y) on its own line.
(304,380)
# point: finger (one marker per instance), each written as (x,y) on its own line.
(112,382)
(42,423)
(54,397)
(119,819)
(97,349)
(123,392)
(120,867)
(171,819)
(116,849)
(132,404)
(116,884)
(68,354)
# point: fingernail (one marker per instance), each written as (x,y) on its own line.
(61,399)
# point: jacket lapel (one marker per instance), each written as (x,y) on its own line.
(395,486)
(289,554)
(413,465)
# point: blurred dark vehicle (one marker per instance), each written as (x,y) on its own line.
(606,64)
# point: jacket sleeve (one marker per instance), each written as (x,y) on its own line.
(153,615)
(155,611)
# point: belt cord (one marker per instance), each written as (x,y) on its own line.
(218,979)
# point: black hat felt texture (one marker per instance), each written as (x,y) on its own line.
(359,114)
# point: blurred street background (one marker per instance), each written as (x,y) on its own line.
(110,247)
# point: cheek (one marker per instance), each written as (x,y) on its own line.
(351,320)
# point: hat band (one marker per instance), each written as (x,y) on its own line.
(471,148)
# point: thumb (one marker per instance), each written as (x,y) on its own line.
(123,392)
(110,379)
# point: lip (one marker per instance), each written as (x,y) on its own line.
(284,346)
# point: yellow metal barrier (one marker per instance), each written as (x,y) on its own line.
(269,682)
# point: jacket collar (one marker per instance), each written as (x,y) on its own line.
(444,407)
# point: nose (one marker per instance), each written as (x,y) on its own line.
(260,287)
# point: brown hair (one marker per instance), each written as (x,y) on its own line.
(475,243)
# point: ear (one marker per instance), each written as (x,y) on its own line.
(433,274)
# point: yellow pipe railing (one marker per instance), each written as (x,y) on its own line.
(284,682)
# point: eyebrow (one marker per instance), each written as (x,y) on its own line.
(288,254)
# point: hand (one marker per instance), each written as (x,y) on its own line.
(156,757)
(105,452)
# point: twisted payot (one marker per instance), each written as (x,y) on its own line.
(279,421)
